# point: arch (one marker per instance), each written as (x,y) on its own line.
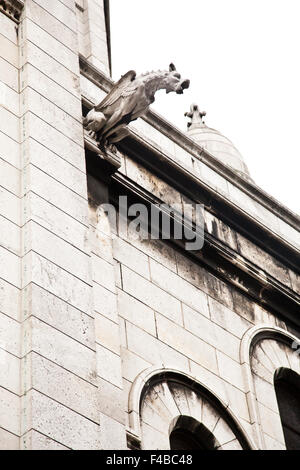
(250,341)
(151,377)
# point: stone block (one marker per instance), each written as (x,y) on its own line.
(271,423)
(103,273)
(48,66)
(62,424)
(9,370)
(211,333)
(210,380)
(186,343)
(10,236)
(156,249)
(263,260)
(131,257)
(112,434)
(10,267)
(230,371)
(107,333)
(48,16)
(37,441)
(10,300)
(54,311)
(63,171)
(53,115)
(91,91)
(65,14)
(9,177)
(9,411)
(8,441)
(56,221)
(153,350)
(9,150)
(105,302)
(64,387)
(151,295)
(227,319)
(10,206)
(136,312)
(56,250)
(63,350)
(109,366)
(132,365)
(9,99)
(45,86)
(7,28)
(9,51)
(9,74)
(111,400)
(9,124)
(56,193)
(179,288)
(51,46)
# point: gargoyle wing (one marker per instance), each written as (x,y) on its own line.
(123,87)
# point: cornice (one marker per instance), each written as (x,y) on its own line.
(12,9)
(221,260)
(168,129)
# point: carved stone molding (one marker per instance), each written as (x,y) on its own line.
(12,9)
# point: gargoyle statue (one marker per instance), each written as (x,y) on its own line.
(129,98)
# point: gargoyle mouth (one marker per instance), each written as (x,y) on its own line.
(182,86)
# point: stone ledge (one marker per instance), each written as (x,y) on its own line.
(12,9)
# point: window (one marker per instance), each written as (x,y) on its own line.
(287,388)
(188,434)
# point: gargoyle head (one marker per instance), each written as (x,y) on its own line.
(174,81)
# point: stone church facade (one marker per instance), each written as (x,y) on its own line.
(113,341)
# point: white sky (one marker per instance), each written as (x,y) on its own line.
(243,60)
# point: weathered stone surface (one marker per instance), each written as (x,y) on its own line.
(9,412)
(62,424)
(154,351)
(10,300)
(179,288)
(37,441)
(111,401)
(8,441)
(109,366)
(136,312)
(53,311)
(186,343)
(107,333)
(64,387)
(230,370)
(105,302)
(108,428)
(132,364)
(151,295)
(131,257)
(61,349)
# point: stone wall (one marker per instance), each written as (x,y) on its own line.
(10,235)
(93,318)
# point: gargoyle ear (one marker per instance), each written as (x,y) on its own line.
(172,67)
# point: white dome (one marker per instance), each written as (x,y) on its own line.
(214,142)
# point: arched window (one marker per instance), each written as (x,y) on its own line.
(188,434)
(287,387)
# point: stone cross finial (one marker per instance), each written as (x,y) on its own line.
(196,116)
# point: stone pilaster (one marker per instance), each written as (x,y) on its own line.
(59,383)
